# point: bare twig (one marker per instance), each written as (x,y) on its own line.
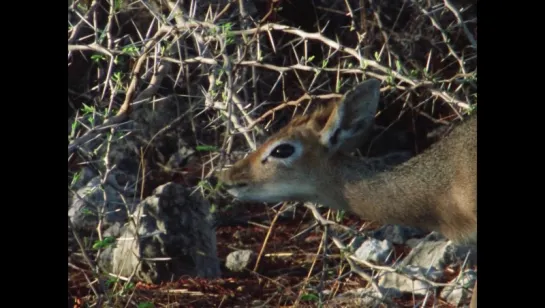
(445,39)
(83,19)
(461,22)
(267,237)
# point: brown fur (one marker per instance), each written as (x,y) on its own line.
(435,190)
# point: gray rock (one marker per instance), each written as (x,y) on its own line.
(428,257)
(459,293)
(89,204)
(436,253)
(174,238)
(180,158)
(239,260)
(430,254)
(396,234)
(114,230)
(413,242)
(374,250)
(428,260)
(410,281)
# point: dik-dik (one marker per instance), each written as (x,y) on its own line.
(308,160)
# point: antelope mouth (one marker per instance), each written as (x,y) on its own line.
(237,190)
(234,185)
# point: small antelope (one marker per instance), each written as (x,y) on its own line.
(308,160)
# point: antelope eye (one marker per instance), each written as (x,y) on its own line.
(283,151)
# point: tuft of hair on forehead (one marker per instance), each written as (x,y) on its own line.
(315,120)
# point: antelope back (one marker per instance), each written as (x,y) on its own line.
(294,163)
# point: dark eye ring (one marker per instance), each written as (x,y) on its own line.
(283,151)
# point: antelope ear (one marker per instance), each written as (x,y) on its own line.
(353,118)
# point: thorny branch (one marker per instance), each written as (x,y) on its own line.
(145,95)
(183,25)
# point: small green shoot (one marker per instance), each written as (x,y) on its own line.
(130,50)
(98,57)
(118,5)
(213,208)
(111,281)
(128,286)
(88,109)
(227,30)
(310,297)
(472,109)
(324,63)
(206,148)
(88,212)
(107,241)
(91,119)
(117,77)
(390,78)
(74,126)
(398,65)
(339,215)
(75,178)
(82,7)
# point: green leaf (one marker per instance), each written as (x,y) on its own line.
(104,243)
(309,297)
(98,57)
(87,109)
(128,286)
(206,148)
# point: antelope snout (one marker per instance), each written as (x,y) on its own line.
(233,185)
(227,182)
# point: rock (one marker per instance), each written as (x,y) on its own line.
(458,294)
(374,250)
(396,234)
(174,238)
(430,254)
(413,242)
(428,260)
(239,260)
(88,204)
(396,284)
(435,251)
(180,158)
(114,230)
